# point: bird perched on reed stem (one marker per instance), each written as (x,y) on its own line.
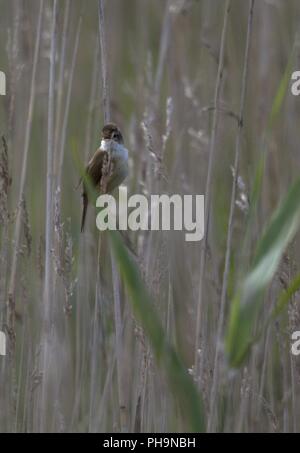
(108,167)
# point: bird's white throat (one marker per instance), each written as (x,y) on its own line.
(118,151)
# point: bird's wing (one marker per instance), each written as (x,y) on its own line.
(94,172)
(94,167)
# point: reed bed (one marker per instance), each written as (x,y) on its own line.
(148,332)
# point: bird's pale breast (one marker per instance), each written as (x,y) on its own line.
(119,156)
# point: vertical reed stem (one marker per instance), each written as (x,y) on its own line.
(212,148)
(115,276)
(230,219)
(18,224)
(48,293)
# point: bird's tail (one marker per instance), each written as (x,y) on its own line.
(84,210)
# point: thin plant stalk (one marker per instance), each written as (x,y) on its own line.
(231,216)
(18,223)
(48,293)
(68,103)
(115,276)
(164,41)
(61,76)
(83,273)
(104,72)
(119,347)
(11,311)
(212,150)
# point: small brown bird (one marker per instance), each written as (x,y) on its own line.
(112,140)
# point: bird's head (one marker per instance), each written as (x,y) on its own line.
(111,132)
